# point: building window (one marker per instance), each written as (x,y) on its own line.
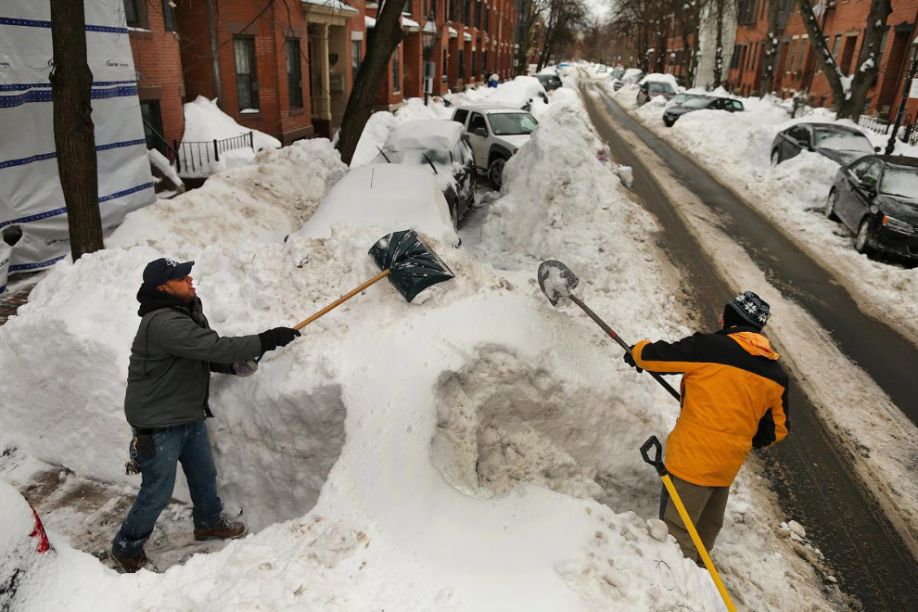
(294,73)
(355,60)
(396,83)
(133,13)
(246,76)
(444,65)
(168,16)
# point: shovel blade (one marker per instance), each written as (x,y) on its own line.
(412,265)
(556,280)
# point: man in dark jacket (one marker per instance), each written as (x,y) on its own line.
(172,356)
(734,397)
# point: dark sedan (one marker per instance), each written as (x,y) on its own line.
(700,103)
(876,197)
(840,143)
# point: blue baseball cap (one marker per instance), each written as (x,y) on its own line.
(162,270)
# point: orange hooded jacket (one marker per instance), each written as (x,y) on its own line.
(734,397)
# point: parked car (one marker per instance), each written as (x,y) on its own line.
(840,143)
(387,197)
(519,93)
(680,98)
(652,89)
(672,114)
(631,75)
(876,197)
(22,544)
(616,73)
(496,133)
(443,147)
(549,81)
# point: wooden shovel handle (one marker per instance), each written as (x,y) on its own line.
(342,299)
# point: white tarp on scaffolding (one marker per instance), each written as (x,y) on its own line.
(30,191)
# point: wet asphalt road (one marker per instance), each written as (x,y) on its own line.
(814,481)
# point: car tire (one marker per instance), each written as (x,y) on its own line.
(775,158)
(864,242)
(496,172)
(831,203)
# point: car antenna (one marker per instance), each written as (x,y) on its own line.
(381,152)
(430,162)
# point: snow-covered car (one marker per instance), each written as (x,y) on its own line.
(22,543)
(682,97)
(840,143)
(549,81)
(672,114)
(652,89)
(519,93)
(391,197)
(876,197)
(496,133)
(439,145)
(629,77)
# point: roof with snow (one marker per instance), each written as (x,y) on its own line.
(391,197)
(425,134)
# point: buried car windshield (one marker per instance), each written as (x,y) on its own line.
(418,156)
(508,124)
(697,102)
(900,181)
(841,141)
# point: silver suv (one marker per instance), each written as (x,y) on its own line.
(495,133)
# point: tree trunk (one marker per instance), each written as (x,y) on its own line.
(849,104)
(719,49)
(386,37)
(823,55)
(526,14)
(770,55)
(867,61)
(74,135)
(214,57)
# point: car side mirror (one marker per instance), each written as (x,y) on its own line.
(480,131)
(870,188)
(876,149)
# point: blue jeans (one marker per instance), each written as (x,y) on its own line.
(190,445)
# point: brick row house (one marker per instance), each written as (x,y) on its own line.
(286,67)
(843,24)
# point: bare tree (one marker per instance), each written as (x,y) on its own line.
(529,17)
(849,103)
(562,19)
(74,132)
(386,37)
(718,6)
(770,50)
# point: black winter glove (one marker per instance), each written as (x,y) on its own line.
(629,359)
(279,336)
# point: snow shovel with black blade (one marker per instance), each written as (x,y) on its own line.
(557,283)
(657,462)
(409,264)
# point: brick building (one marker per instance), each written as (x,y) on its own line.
(796,68)
(286,67)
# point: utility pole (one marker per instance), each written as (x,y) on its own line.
(74,132)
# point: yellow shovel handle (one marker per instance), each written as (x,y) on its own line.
(696,539)
(342,299)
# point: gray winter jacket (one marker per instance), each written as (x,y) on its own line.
(172,357)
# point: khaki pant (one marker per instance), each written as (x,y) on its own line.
(705,506)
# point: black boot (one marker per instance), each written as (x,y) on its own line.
(129,565)
(225,529)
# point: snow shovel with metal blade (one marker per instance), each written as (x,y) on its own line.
(408,263)
(657,462)
(557,283)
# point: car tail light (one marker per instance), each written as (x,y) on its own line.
(39,532)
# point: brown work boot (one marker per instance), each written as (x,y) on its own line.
(225,529)
(129,565)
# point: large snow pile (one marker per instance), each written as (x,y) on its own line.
(381,123)
(792,194)
(206,122)
(520,91)
(392,456)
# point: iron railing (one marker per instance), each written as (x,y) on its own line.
(194,156)
(873,124)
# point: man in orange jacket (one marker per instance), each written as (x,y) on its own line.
(734,397)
